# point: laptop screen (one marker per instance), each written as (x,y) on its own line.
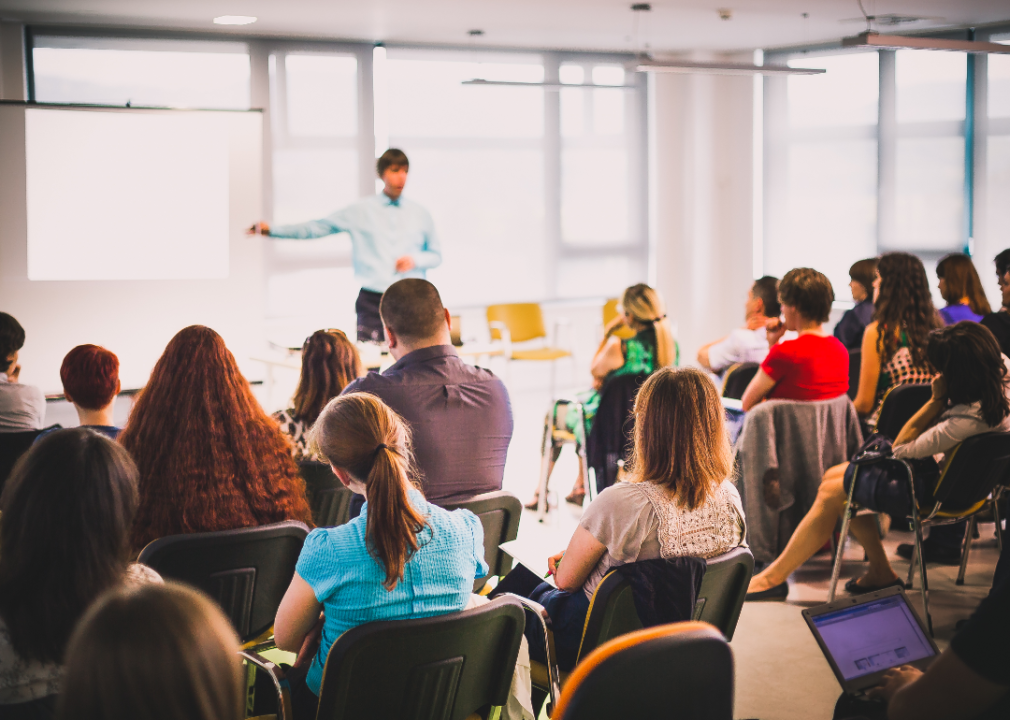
(874,636)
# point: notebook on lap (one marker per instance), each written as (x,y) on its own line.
(864,636)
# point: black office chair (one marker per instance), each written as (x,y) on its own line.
(41,709)
(329,499)
(609,442)
(855,360)
(12,446)
(737,378)
(499,513)
(681,670)
(898,406)
(246,570)
(723,589)
(445,667)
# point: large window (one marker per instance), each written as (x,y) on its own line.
(997,219)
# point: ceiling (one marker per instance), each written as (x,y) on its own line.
(672,25)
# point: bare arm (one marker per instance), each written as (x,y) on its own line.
(919,422)
(583,553)
(758,388)
(608,358)
(703,353)
(869,372)
(297,615)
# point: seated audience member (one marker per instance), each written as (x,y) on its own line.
(894,344)
(969,398)
(652,347)
(22,407)
(90,376)
(961,287)
(677,502)
(65,517)
(849,329)
(459,415)
(402,558)
(748,343)
(329,362)
(209,457)
(814,366)
(999,321)
(161,651)
(970,679)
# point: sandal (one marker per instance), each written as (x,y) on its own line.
(854,588)
(534,504)
(576,498)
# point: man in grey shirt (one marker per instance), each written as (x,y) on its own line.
(22,407)
(459,415)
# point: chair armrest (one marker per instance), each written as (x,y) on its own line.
(506,336)
(277,676)
(553,672)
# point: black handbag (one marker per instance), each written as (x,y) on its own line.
(881,481)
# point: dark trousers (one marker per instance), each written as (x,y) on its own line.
(369,322)
(357,502)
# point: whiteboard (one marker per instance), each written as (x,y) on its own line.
(126,196)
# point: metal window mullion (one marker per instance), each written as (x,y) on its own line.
(639,147)
(366,123)
(552,175)
(969,153)
(259,97)
(887,153)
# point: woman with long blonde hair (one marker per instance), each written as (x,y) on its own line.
(652,346)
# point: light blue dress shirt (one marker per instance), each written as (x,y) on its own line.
(382,230)
(347,579)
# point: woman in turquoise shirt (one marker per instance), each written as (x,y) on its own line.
(400,558)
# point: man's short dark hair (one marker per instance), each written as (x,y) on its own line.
(808,291)
(12,337)
(391,158)
(412,309)
(1002,263)
(766,290)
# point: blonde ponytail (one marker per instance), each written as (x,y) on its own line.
(360,434)
(645,307)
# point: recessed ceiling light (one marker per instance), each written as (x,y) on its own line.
(234,20)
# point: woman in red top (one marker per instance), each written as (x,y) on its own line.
(814,366)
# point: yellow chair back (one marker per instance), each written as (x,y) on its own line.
(525,321)
(609,313)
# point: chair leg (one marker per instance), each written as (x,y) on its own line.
(968,532)
(840,549)
(999,523)
(546,456)
(924,586)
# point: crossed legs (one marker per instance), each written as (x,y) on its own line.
(815,529)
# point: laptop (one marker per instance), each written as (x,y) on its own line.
(864,636)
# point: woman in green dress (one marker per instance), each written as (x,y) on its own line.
(637,341)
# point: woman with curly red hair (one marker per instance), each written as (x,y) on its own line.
(209,457)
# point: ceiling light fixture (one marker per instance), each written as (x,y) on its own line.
(904,42)
(234,20)
(715,68)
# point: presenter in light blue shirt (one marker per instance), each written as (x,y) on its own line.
(391,238)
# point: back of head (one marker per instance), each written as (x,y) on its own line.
(970,360)
(159,652)
(391,158)
(862,271)
(1002,262)
(329,363)
(766,289)
(646,309)
(681,441)
(961,281)
(412,308)
(197,432)
(903,307)
(90,376)
(12,338)
(808,291)
(65,517)
(358,433)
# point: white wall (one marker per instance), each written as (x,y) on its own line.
(134,319)
(702,161)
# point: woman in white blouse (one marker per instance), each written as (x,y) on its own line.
(969,398)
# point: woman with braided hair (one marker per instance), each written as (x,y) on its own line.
(651,347)
(329,363)
(401,558)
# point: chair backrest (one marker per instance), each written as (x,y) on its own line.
(898,406)
(855,363)
(499,513)
(525,321)
(609,313)
(329,499)
(444,667)
(737,378)
(975,468)
(682,670)
(246,570)
(723,589)
(611,613)
(12,446)
(609,441)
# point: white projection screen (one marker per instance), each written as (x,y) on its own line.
(127,195)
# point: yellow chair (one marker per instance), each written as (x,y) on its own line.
(520,323)
(609,313)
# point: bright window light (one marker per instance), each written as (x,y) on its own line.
(234,20)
